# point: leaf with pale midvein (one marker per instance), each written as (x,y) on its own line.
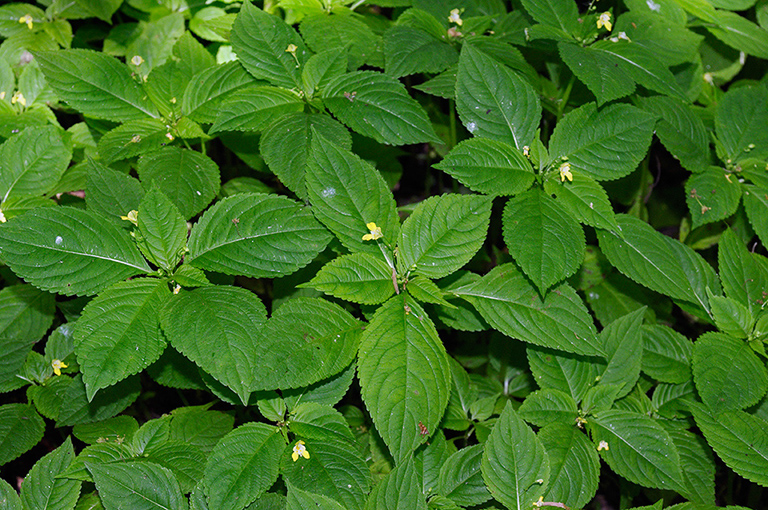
(666,354)
(597,70)
(713,195)
(583,198)
(410,50)
(515,465)
(378,106)
(255,108)
(461,480)
(21,428)
(562,15)
(131,139)
(42,490)
(68,250)
(542,238)
(639,449)
(443,233)
(218,328)
(494,101)
(95,84)
(261,41)
(605,144)
(243,465)
(345,33)
(209,87)
(566,372)
(404,374)
(118,333)
(488,166)
(740,33)
(32,162)
(26,313)
(549,406)
(573,462)
(305,500)
(740,120)
(739,439)
(359,277)
(270,236)
(512,305)
(400,489)
(137,485)
(744,277)
(698,465)
(162,228)
(659,262)
(347,193)
(110,192)
(622,341)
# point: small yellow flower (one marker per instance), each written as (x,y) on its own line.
(291,48)
(455,17)
(177,289)
(57,366)
(603,446)
(605,21)
(137,60)
(132,216)
(375,232)
(2,95)
(169,136)
(580,422)
(622,35)
(2,217)
(565,172)
(18,97)
(540,502)
(299,450)
(526,151)
(28,20)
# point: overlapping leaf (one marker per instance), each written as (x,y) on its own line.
(21,428)
(140,485)
(163,230)
(110,192)
(254,108)
(208,88)
(359,277)
(42,490)
(574,465)
(32,162)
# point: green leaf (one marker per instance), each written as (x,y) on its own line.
(199,427)
(68,250)
(442,234)
(286,145)
(639,449)
(186,462)
(95,84)
(739,439)
(315,421)
(727,372)
(218,328)
(256,235)
(425,290)
(515,465)
(597,70)
(334,469)
(740,33)
(605,144)
(359,277)
(410,50)
(378,106)
(666,354)
(42,490)
(712,195)
(109,192)
(243,465)
(347,193)
(461,479)
(133,138)
(495,102)
(574,465)
(21,428)
(190,179)
(698,466)
(731,317)
(321,68)
(32,162)
(512,305)
(562,15)
(162,228)
(255,108)
(398,490)
(13,353)
(738,119)
(137,485)
(744,277)
(546,243)
(549,405)
(25,313)
(756,205)
(399,342)
(9,498)
(342,32)
(119,334)
(659,262)
(488,166)
(261,42)
(568,373)
(208,88)
(583,198)
(123,427)
(303,500)
(622,342)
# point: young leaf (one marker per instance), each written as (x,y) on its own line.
(95,84)
(583,198)
(343,32)
(190,179)
(569,373)
(109,192)
(42,489)
(110,349)
(574,465)
(243,465)
(666,354)
(68,250)
(256,235)
(347,194)
(21,428)
(493,101)
(399,342)
(605,144)
(378,106)
(512,305)
(303,500)
(731,317)
(400,488)
(132,138)
(515,465)
(443,233)
(638,448)
(359,277)
(461,480)
(208,88)
(744,278)
(488,166)
(622,341)
(549,406)
(546,243)
(255,108)
(321,68)
(311,420)
(137,484)
(218,328)
(740,33)
(162,228)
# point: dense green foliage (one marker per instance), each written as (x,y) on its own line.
(395,254)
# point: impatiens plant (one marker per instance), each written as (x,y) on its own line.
(393,254)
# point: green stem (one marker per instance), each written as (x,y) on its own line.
(566,96)
(452,123)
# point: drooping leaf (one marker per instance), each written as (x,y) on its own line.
(712,195)
(399,343)
(42,490)
(511,304)
(315,421)
(109,192)
(399,490)
(69,250)
(443,233)
(359,277)
(461,480)
(13,354)
(574,465)
(21,428)
(256,235)
(95,84)
(254,108)
(493,101)
(139,485)
(515,465)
